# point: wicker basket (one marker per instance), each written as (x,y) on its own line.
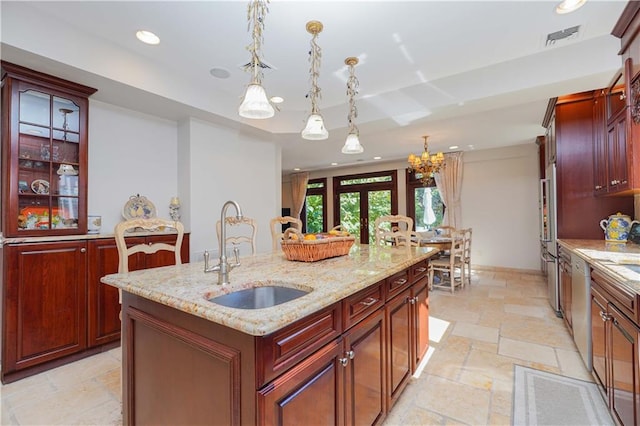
(299,249)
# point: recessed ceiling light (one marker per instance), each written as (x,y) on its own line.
(276,99)
(377,158)
(147,37)
(454,147)
(297,169)
(568,6)
(219,72)
(334,164)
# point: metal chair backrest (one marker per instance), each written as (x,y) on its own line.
(154,224)
(276,228)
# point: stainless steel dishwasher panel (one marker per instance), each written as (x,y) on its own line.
(581,307)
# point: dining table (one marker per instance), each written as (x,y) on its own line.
(441,242)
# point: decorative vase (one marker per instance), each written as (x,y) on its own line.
(616,228)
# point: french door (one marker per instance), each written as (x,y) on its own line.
(360,199)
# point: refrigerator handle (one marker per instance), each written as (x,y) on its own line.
(544,193)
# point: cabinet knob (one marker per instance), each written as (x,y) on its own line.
(83,250)
(350,354)
(344,361)
(598,187)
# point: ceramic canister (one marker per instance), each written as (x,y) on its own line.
(616,227)
(94,224)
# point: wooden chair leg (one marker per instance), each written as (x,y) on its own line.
(430,278)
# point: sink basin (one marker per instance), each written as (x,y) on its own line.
(258,297)
(634,268)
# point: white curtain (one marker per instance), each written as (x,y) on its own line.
(298,192)
(449,183)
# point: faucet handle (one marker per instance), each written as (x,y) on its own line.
(236,255)
(206,260)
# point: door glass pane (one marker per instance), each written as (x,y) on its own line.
(350,212)
(379,205)
(66,215)
(429,208)
(34,107)
(314,213)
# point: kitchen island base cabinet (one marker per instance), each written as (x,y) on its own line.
(330,367)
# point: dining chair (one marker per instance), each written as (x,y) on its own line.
(450,268)
(466,255)
(391,229)
(276,228)
(153,224)
(444,230)
(243,230)
(150,225)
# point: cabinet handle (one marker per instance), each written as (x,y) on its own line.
(413,300)
(605,317)
(350,354)
(598,187)
(344,361)
(421,269)
(369,301)
(400,281)
(83,250)
(149,243)
(624,181)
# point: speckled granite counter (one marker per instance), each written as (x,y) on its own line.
(52,238)
(187,287)
(619,261)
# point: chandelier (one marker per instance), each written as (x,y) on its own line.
(315,129)
(255,103)
(352,144)
(426,164)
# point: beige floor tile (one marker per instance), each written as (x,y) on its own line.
(571,365)
(530,311)
(501,402)
(527,351)
(549,332)
(497,419)
(477,332)
(496,366)
(457,401)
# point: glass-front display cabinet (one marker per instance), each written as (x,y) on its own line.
(44,154)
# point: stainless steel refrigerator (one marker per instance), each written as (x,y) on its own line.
(548,235)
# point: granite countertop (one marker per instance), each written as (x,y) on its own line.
(53,238)
(187,287)
(617,260)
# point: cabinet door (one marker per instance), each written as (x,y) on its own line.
(600,145)
(365,371)
(565,293)
(625,389)
(420,298)
(617,154)
(316,382)
(598,337)
(398,316)
(45,302)
(103,300)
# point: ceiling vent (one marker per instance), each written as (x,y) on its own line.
(559,37)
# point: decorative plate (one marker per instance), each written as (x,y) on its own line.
(138,207)
(40,186)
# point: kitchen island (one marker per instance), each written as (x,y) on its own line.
(340,354)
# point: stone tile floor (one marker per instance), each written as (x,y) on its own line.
(477,334)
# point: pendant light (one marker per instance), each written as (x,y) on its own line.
(255,103)
(314,129)
(352,144)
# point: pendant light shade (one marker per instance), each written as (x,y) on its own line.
(315,129)
(255,103)
(352,145)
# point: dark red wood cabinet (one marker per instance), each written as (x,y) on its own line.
(55,307)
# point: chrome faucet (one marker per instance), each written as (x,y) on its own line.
(224,267)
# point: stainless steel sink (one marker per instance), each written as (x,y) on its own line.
(258,297)
(634,268)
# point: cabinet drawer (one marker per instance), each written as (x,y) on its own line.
(283,349)
(397,283)
(623,299)
(419,270)
(358,306)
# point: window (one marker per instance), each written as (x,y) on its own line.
(424,204)
(314,217)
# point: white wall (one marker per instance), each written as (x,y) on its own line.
(129,153)
(203,163)
(226,164)
(499,201)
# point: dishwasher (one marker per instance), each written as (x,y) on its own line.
(581,307)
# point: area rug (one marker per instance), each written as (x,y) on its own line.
(542,398)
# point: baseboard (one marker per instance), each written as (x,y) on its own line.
(503,269)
